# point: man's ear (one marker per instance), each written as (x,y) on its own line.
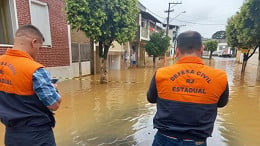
(202,49)
(177,52)
(34,42)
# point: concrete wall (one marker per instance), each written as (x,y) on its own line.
(252,60)
(69,71)
(85,66)
(115,62)
(116,55)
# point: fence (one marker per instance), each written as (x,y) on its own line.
(80,52)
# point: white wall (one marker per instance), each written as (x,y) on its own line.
(64,72)
(115,62)
(85,66)
(253,60)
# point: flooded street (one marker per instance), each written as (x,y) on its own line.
(113,114)
(118,114)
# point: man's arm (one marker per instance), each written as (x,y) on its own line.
(55,106)
(223,100)
(152,94)
(45,90)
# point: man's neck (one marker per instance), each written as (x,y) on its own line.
(188,55)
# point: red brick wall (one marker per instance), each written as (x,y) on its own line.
(58,55)
(23,12)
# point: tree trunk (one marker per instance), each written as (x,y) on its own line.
(243,67)
(103,70)
(245,59)
(210,55)
(154,61)
(103,51)
(250,55)
(244,63)
(259,53)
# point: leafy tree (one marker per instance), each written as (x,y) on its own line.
(246,25)
(104,21)
(231,33)
(219,35)
(157,45)
(211,45)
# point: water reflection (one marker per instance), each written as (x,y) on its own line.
(112,114)
(117,113)
(240,120)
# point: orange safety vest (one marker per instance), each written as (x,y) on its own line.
(17,68)
(191,81)
(20,107)
(188,94)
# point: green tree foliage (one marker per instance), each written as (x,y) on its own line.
(219,35)
(157,45)
(231,33)
(104,21)
(243,29)
(211,45)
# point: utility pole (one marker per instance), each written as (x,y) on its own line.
(168,18)
(167,26)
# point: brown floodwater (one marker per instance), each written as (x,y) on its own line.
(118,114)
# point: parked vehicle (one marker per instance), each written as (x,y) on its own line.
(215,53)
(223,50)
(226,52)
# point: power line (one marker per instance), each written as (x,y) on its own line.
(207,18)
(173,6)
(171,19)
(197,23)
(155,14)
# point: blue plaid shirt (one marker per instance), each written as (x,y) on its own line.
(43,87)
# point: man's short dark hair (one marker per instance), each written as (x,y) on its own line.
(29,29)
(189,41)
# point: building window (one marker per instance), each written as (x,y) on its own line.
(40,19)
(143,24)
(8,23)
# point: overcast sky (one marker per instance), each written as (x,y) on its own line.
(204,16)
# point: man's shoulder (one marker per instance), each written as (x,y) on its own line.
(31,65)
(35,64)
(215,70)
(217,74)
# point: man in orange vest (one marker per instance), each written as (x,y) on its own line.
(27,96)
(187,95)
